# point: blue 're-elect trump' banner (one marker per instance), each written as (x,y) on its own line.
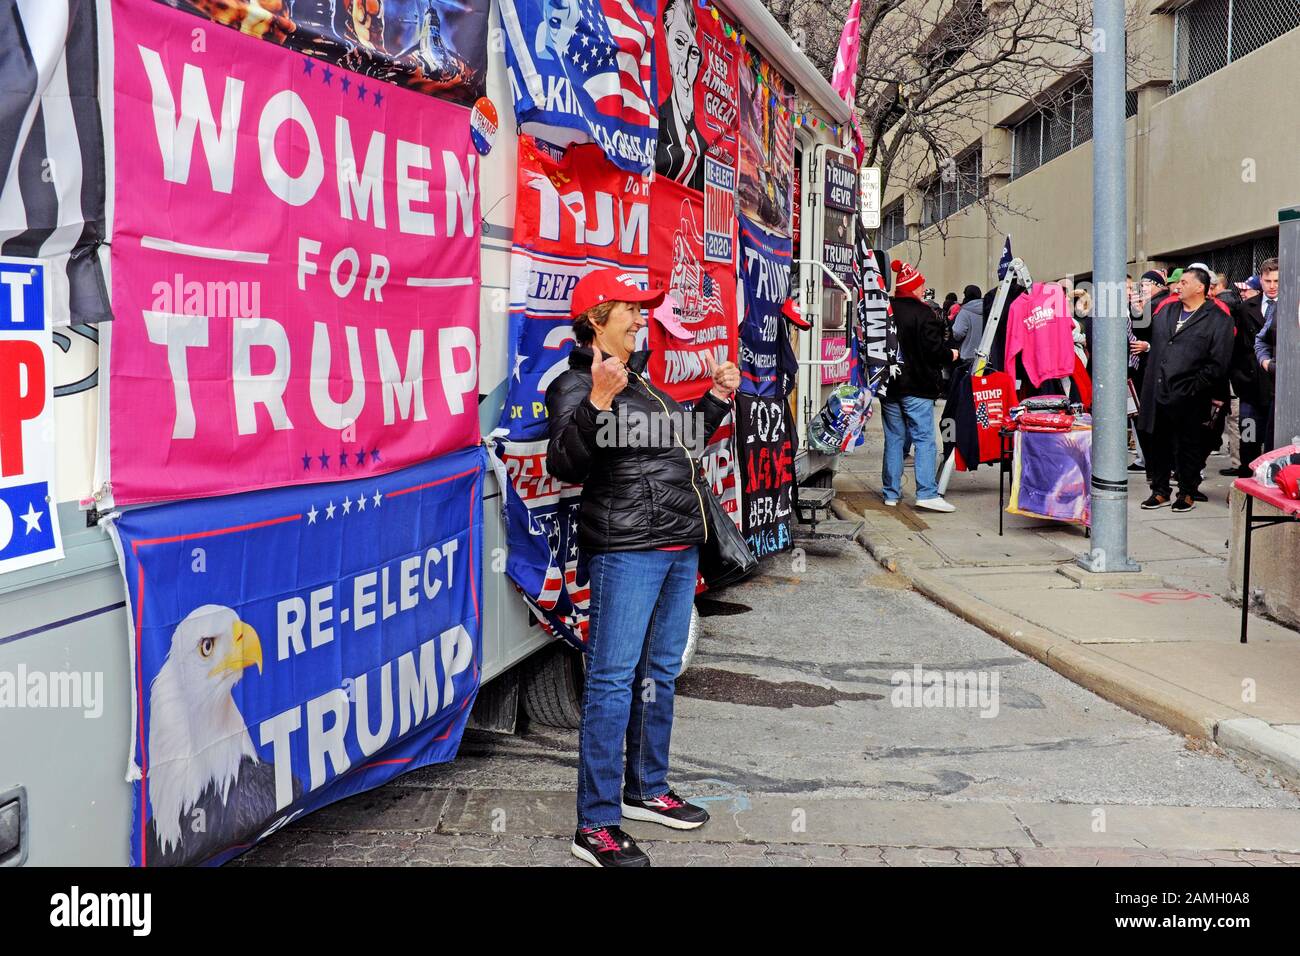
(765,273)
(586,66)
(295,646)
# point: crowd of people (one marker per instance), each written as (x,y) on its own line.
(1201,368)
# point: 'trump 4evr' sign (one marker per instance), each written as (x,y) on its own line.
(29,521)
(295,267)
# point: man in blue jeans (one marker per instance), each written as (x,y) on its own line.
(908,411)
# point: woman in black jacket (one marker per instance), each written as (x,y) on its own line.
(642,518)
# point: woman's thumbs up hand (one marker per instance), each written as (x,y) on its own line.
(608,378)
(726,377)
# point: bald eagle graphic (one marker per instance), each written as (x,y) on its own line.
(208,791)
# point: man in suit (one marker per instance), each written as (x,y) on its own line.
(1266,346)
(1250,380)
(1191,347)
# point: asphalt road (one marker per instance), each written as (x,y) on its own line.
(791,728)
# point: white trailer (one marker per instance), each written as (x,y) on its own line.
(63,795)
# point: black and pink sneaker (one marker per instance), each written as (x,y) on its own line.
(607,846)
(670,810)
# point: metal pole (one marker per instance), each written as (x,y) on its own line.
(1286,403)
(1110,304)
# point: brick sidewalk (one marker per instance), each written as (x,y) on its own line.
(315,848)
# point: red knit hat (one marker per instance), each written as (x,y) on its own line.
(909,281)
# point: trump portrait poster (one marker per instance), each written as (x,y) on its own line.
(295,264)
(294,646)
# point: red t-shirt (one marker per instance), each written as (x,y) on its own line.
(993,394)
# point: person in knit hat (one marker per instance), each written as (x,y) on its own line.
(908,410)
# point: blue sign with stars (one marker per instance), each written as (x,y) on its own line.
(296,646)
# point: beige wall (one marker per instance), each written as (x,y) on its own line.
(1201,136)
(1185,179)
(1048,213)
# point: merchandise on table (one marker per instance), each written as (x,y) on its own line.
(1052,474)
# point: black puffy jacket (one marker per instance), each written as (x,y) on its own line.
(641,487)
(1188,364)
(923,348)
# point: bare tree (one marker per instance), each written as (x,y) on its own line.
(929,70)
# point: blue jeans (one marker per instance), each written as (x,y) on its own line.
(909,419)
(640,617)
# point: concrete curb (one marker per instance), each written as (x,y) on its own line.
(1136,691)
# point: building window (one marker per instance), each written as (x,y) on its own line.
(1210,34)
(1239,261)
(892,229)
(1061,124)
(960,185)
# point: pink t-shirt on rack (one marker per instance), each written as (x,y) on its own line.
(1039,327)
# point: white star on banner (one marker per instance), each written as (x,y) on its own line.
(361,502)
(329,512)
(377,498)
(32,518)
(311,515)
(347,506)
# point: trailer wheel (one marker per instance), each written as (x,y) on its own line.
(553,678)
(552,687)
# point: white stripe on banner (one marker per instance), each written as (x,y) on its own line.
(523,53)
(46,28)
(440,283)
(64,160)
(203,252)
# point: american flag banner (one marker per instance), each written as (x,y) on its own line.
(52,151)
(583,70)
(876,358)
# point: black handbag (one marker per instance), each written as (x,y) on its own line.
(725,557)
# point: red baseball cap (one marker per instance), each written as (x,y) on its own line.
(791,311)
(611,285)
(1288,480)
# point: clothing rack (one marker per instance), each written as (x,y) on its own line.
(1016,271)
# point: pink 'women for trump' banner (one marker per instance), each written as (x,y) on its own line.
(295,266)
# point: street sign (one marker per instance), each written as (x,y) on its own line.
(869,193)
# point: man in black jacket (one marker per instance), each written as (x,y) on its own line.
(1251,384)
(1191,346)
(908,410)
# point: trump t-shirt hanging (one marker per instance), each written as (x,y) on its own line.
(1039,329)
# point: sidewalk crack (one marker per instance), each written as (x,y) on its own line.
(1024,829)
